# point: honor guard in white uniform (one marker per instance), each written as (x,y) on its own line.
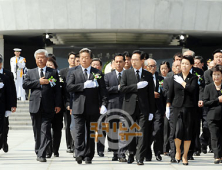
(17,64)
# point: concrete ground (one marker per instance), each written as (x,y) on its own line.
(21,156)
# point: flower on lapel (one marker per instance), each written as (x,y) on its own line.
(161,83)
(61,80)
(97,76)
(52,81)
(199,77)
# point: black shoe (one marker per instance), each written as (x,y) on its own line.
(109,150)
(114,158)
(88,160)
(173,160)
(41,159)
(148,159)
(79,160)
(130,159)
(185,163)
(190,158)
(166,154)
(48,156)
(158,158)
(122,160)
(204,151)
(5,148)
(101,154)
(140,163)
(56,154)
(69,150)
(197,153)
(210,151)
(217,161)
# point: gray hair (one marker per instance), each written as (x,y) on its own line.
(193,53)
(41,51)
(149,59)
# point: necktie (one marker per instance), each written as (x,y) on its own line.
(137,75)
(154,80)
(41,73)
(85,74)
(119,78)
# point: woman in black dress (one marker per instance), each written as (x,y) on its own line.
(182,98)
(213,100)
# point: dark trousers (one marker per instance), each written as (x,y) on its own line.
(56,134)
(80,131)
(215,127)
(171,136)
(166,134)
(67,121)
(41,123)
(205,136)
(5,131)
(138,145)
(2,118)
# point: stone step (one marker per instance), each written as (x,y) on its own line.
(22,118)
(18,114)
(20,127)
(14,122)
(22,110)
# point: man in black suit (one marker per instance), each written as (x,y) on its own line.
(44,102)
(157,123)
(86,102)
(13,102)
(66,102)
(115,99)
(138,102)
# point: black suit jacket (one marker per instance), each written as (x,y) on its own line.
(12,87)
(212,102)
(160,103)
(49,97)
(115,98)
(180,96)
(208,77)
(5,94)
(145,96)
(65,94)
(86,100)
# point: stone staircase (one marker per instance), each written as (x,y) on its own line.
(21,120)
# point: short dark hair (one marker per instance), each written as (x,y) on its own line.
(167,63)
(52,55)
(217,68)
(119,54)
(127,54)
(86,50)
(199,58)
(144,56)
(53,61)
(138,52)
(97,59)
(1,58)
(180,55)
(189,58)
(77,55)
(71,53)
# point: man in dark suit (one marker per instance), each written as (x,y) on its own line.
(138,102)
(157,123)
(86,102)
(66,102)
(44,102)
(13,102)
(115,99)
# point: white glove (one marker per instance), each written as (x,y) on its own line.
(178,79)
(142,84)
(150,116)
(89,84)
(21,64)
(103,109)
(1,85)
(168,113)
(7,113)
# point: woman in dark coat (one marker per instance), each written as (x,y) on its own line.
(182,98)
(213,100)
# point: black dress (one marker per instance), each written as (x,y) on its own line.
(183,103)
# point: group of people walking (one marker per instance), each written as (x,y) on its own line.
(167,106)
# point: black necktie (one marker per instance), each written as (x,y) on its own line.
(86,75)
(119,78)
(41,73)
(137,75)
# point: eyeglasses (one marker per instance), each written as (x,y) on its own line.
(150,66)
(135,60)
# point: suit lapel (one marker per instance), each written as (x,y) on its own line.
(133,75)
(37,73)
(47,73)
(80,72)
(115,77)
(91,77)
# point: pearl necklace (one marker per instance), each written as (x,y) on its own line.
(217,87)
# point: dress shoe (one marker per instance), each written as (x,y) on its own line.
(148,159)
(5,148)
(79,160)
(173,160)
(122,160)
(41,159)
(114,158)
(56,154)
(158,158)
(204,151)
(101,154)
(140,163)
(69,150)
(217,161)
(88,160)
(48,156)
(185,162)
(130,159)
(190,158)
(197,153)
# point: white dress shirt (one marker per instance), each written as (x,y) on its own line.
(88,71)
(44,70)
(154,79)
(117,73)
(1,71)
(140,72)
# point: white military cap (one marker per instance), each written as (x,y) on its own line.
(17,49)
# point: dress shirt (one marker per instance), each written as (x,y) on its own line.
(88,71)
